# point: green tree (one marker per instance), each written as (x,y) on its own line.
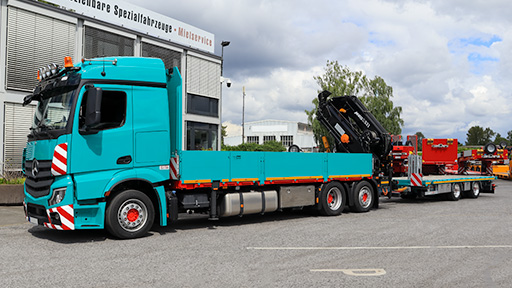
(500,139)
(375,95)
(509,137)
(223,133)
(377,99)
(420,137)
(479,136)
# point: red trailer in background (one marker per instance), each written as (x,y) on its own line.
(480,161)
(400,153)
(439,155)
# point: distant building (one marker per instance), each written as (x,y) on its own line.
(286,132)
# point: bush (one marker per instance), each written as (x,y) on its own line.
(270,146)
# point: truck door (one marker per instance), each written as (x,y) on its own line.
(110,149)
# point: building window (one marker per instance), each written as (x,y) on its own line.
(304,127)
(33,42)
(287,140)
(201,136)
(269,138)
(17,122)
(253,139)
(100,43)
(201,105)
(203,77)
(170,57)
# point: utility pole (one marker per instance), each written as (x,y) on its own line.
(243,115)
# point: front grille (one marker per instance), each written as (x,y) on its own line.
(39,185)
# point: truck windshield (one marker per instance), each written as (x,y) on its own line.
(53,113)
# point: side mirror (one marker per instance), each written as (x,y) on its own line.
(93,108)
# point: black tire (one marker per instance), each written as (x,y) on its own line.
(364,198)
(474,191)
(294,148)
(456,192)
(129,215)
(490,148)
(332,199)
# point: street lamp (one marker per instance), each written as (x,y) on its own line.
(223,44)
(243,116)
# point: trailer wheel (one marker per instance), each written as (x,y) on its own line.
(129,215)
(363,197)
(455,194)
(332,199)
(475,190)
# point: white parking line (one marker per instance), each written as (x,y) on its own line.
(354,272)
(386,248)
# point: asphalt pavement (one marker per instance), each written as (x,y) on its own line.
(405,243)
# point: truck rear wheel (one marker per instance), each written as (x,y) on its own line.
(363,197)
(474,192)
(332,199)
(129,215)
(455,194)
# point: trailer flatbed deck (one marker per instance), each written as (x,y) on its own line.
(453,185)
(442,179)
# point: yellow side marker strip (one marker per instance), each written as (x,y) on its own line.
(349,176)
(293,178)
(196,181)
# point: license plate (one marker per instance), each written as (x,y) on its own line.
(33,220)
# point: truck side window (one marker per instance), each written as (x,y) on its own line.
(113,110)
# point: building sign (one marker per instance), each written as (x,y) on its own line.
(142,20)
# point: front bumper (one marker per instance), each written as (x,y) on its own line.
(67,214)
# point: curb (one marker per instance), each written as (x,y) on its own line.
(11,194)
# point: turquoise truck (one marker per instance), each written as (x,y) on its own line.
(105,152)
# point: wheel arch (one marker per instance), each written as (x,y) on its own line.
(139,184)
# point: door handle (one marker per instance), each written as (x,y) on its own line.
(124,160)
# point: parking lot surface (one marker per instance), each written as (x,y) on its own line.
(405,243)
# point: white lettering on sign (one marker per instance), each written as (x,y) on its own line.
(142,20)
(362,119)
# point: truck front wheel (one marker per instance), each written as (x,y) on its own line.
(332,199)
(129,215)
(363,197)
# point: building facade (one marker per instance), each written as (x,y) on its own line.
(287,132)
(34,34)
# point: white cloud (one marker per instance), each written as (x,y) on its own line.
(436,54)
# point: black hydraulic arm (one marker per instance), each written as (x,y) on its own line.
(353,127)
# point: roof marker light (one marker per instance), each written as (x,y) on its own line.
(68,62)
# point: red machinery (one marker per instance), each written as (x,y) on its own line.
(400,153)
(439,155)
(480,161)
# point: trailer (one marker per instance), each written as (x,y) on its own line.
(481,161)
(452,186)
(503,171)
(439,156)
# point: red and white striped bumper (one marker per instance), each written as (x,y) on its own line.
(66,216)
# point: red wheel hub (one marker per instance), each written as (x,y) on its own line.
(365,197)
(330,198)
(132,215)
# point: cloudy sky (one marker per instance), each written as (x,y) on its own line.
(449,62)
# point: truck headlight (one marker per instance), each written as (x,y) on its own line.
(57,196)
